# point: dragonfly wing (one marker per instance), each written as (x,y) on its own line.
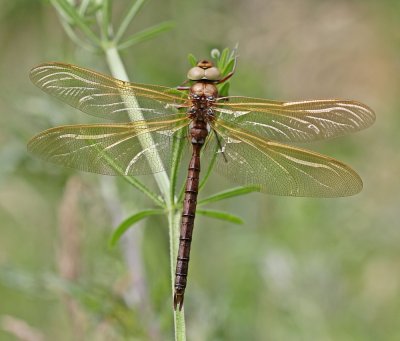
(113,149)
(279,169)
(296,121)
(102,96)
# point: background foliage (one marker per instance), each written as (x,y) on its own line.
(298,269)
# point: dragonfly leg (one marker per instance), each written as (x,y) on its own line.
(183,86)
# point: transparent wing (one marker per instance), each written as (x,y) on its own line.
(279,169)
(113,149)
(102,96)
(295,121)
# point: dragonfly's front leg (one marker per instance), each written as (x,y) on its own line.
(183,87)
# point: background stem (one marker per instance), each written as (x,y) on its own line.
(174,230)
(118,71)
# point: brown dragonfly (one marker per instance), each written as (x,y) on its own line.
(242,135)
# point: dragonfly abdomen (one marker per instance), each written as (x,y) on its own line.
(199,132)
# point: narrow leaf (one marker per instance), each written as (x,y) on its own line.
(192,59)
(68,11)
(128,222)
(128,18)
(106,19)
(86,44)
(228,67)
(83,7)
(223,59)
(230,193)
(147,34)
(220,215)
(132,180)
(182,192)
(224,89)
(177,150)
(209,168)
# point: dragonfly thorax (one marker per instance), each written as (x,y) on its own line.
(203,92)
(202,96)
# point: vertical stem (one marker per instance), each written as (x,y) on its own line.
(174,217)
(118,71)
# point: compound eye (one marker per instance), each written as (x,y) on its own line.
(195,73)
(212,74)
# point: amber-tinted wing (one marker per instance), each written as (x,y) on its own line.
(114,149)
(102,96)
(276,168)
(295,121)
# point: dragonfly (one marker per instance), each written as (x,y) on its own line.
(245,138)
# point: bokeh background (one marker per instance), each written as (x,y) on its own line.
(298,269)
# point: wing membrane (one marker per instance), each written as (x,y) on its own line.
(113,149)
(296,121)
(280,169)
(102,96)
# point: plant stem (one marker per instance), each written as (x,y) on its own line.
(70,14)
(174,230)
(118,71)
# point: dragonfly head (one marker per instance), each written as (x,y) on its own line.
(204,70)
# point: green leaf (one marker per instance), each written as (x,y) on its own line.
(147,34)
(228,67)
(181,193)
(87,44)
(209,168)
(220,215)
(192,59)
(106,17)
(223,59)
(83,7)
(133,181)
(230,193)
(68,11)
(128,18)
(177,150)
(93,8)
(224,89)
(127,223)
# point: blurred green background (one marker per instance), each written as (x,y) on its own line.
(298,269)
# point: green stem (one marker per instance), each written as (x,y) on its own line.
(107,42)
(118,71)
(174,231)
